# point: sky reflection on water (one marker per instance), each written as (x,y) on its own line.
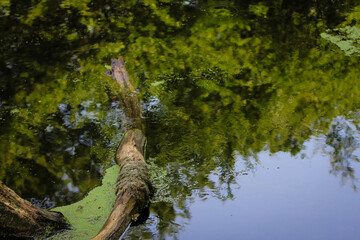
(285,197)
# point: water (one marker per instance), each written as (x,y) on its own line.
(251,111)
(281,197)
(284,198)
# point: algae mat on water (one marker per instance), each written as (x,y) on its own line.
(87,216)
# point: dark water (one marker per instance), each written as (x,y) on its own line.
(252,118)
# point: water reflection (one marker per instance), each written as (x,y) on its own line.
(68,150)
(285,198)
(279,189)
(343,147)
(218,80)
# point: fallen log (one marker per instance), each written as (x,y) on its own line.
(19,218)
(133,188)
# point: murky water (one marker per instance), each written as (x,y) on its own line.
(251,111)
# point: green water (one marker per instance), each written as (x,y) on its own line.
(222,83)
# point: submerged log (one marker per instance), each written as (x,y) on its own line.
(128,95)
(134,188)
(19,218)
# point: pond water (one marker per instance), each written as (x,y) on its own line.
(251,111)
(284,198)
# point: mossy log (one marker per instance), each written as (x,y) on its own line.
(19,218)
(134,188)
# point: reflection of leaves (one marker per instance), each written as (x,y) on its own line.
(346,38)
(161,182)
(58,131)
(158,83)
(225,80)
(343,140)
(14,111)
(259,9)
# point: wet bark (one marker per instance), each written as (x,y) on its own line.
(19,218)
(134,188)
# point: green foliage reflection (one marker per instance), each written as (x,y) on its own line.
(218,78)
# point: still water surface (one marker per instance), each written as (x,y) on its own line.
(284,198)
(251,111)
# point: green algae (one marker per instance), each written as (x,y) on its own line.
(161,181)
(89,215)
(346,38)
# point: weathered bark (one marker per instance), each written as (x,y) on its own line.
(19,217)
(134,188)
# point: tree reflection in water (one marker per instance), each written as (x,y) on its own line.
(343,147)
(217,79)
